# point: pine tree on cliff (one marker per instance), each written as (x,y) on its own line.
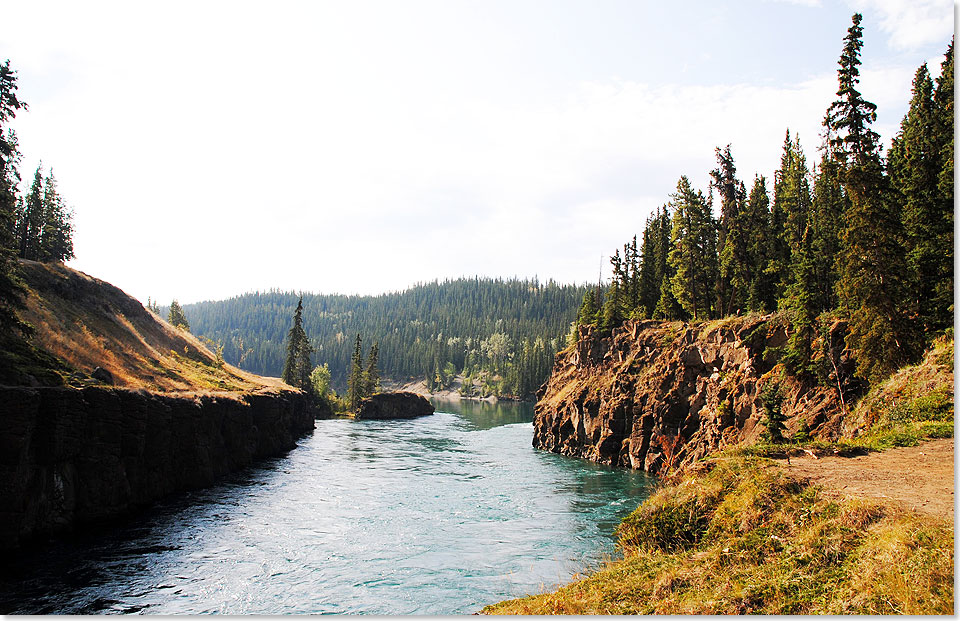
(791,211)
(56,239)
(829,206)
(297,367)
(873,285)
(756,217)
(587,315)
(693,256)
(653,266)
(30,219)
(10,288)
(355,384)
(733,235)
(176,318)
(914,165)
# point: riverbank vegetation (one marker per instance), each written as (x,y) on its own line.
(737,535)
(500,334)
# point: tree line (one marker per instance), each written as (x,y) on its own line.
(857,235)
(37,225)
(501,335)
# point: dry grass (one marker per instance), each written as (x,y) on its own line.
(88,323)
(746,538)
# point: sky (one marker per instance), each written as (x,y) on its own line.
(210,149)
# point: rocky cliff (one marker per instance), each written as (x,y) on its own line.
(394,405)
(71,456)
(658,395)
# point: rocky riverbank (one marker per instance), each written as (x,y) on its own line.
(70,457)
(657,395)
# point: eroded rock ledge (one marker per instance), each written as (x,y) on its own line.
(658,395)
(71,456)
(394,405)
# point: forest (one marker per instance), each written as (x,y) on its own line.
(856,235)
(500,334)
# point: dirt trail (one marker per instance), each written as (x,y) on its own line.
(918,477)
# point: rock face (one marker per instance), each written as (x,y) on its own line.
(73,456)
(394,405)
(658,395)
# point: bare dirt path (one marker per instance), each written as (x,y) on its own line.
(917,477)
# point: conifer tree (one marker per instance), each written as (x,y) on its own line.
(693,255)
(873,284)
(733,236)
(653,267)
(10,288)
(176,318)
(826,219)
(760,295)
(297,367)
(587,315)
(372,374)
(914,166)
(791,211)
(30,219)
(56,238)
(355,383)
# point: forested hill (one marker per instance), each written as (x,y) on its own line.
(502,332)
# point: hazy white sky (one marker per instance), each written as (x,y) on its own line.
(211,149)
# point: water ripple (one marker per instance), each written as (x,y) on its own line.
(439,515)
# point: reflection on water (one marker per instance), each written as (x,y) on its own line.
(437,515)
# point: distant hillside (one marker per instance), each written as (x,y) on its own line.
(87,323)
(503,331)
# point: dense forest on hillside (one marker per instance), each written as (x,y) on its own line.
(856,236)
(502,334)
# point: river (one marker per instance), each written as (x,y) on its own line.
(438,515)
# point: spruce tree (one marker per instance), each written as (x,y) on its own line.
(355,383)
(587,315)
(733,236)
(914,166)
(826,219)
(297,367)
(10,288)
(56,239)
(873,284)
(372,374)
(30,219)
(791,212)
(693,256)
(760,291)
(176,318)
(653,266)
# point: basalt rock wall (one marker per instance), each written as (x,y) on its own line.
(658,395)
(74,456)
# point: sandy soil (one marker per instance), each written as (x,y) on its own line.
(918,478)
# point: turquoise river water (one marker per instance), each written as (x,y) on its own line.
(438,515)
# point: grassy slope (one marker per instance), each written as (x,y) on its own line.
(735,534)
(82,323)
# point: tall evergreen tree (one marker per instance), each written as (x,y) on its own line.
(355,383)
(10,288)
(826,220)
(693,255)
(761,295)
(56,239)
(297,368)
(733,236)
(372,374)
(653,254)
(30,219)
(873,283)
(791,211)
(914,166)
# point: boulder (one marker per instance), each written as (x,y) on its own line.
(394,405)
